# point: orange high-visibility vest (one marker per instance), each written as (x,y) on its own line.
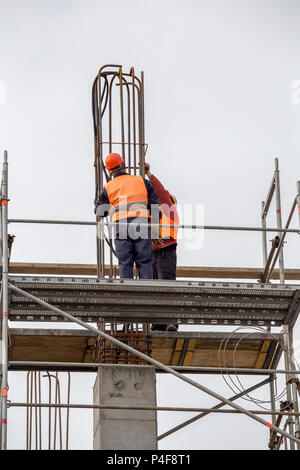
(168,232)
(128,197)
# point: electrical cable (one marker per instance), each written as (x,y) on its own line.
(240,387)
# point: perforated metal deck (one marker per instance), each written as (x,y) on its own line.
(149,301)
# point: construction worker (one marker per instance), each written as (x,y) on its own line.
(128,198)
(164,249)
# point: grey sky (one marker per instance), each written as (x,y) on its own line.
(218,104)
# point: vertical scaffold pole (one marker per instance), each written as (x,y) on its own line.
(272,396)
(286,344)
(279,218)
(4,349)
(298,199)
(264,234)
(1,315)
(294,386)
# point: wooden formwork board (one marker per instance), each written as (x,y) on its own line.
(190,349)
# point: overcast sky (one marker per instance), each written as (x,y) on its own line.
(219,107)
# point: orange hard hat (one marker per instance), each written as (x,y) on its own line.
(113,160)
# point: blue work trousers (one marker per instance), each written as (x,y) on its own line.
(134,250)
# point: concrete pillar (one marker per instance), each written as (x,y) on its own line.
(125,429)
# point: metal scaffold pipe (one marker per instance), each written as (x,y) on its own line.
(140,408)
(294,390)
(181,226)
(264,234)
(156,363)
(4,352)
(281,244)
(278,217)
(285,338)
(92,365)
(298,199)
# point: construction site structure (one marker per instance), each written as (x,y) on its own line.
(116,341)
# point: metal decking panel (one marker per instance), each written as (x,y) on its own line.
(147,301)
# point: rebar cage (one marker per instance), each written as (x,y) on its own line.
(118,119)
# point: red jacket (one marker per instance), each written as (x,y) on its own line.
(164,198)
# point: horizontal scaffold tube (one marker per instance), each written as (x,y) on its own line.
(146,408)
(182,226)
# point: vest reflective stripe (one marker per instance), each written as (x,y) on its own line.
(168,232)
(128,197)
(133,205)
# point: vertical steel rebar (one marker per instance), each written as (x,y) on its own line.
(68,411)
(59,414)
(27,413)
(57,401)
(40,412)
(50,414)
(31,410)
(129,127)
(278,217)
(35,411)
(4,349)
(122,113)
(133,121)
(55,417)
(142,162)
(100,241)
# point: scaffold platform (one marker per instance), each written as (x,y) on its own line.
(153,301)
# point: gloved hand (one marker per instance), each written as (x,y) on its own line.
(147,169)
(158,241)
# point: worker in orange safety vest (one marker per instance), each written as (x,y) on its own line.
(129,199)
(164,250)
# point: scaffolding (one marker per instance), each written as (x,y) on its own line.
(259,306)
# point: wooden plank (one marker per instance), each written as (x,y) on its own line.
(88,353)
(77,346)
(189,353)
(262,354)
(177,351)
(210,358)
(63,269)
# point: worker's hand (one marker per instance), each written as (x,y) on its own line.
(158,241)
(147,168)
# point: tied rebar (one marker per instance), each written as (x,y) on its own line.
(118,123)
(36,423)
(135,335)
